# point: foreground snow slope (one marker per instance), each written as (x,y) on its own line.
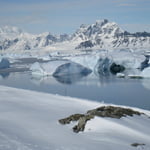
(29,121)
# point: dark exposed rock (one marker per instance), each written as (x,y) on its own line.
(81,123)
(113,112)
(137,34)
(86,44)
(74,117)
(137,144)
(115,68)
(104,111)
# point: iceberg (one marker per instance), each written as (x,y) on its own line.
(58,68)
(87,60)
(140,74)
(127,59)
(71,68)
(4,63)
(102,62)
(103,66)
(46,69)
(70,72)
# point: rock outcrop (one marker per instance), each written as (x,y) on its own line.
(104,111)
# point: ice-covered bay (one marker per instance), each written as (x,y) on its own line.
(29,121)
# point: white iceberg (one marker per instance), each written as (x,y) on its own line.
(45,69)
(101,61)
(58,68)
(88,61)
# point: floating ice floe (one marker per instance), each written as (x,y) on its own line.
(135,76)
(120,75)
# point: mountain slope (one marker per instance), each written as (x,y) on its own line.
(12,38)
(103,34)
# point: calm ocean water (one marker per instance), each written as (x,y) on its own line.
(129,92)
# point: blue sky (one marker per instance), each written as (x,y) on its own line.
(65,16)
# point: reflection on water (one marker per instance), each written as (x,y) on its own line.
(129,92)
(69,79)
(146,83)
(4,74)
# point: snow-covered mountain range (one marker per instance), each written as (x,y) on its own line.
(103,34)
